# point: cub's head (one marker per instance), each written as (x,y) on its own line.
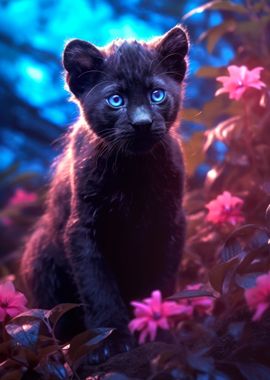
(129,92)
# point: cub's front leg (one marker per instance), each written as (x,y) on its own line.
(97,289)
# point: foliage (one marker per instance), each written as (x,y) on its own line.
(230,339)
(29,347)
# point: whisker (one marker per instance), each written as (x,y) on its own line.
(98,84)
(91,71)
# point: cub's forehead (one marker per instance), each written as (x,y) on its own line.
(131,60)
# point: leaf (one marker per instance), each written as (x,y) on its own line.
(267,216)
(193,150)
(58,311)
(220,376)
(86,342)
(33,313)
(44,352)
(252,255)
(208,72)
(214,34)
(231,249)
(252,371)
(12,375)
(191,294)
(25,333)
(191,114)
(259,239)
(5,348)
(201,362)
(53,370)
(222,5)
(219,272)
(223,132)
(235,329)
(247,280)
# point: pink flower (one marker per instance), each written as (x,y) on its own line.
(22,197)
(12,302)
(153,313)
(225,209)
(239,80)
(258,298)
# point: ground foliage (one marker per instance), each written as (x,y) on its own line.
(227,259)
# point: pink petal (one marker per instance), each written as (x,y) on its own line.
(14,311)
(152,329)
(224,80)
(234,71)
(19,300)
(141,309)
(143,336)
(156,301)
(194,286)
(260,311)
(2,314)
(221,90)
(258,85)
(137,324)
(264,281)
(163,324)
(7,287)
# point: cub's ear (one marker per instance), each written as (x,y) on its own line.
(82,62)
(172,49)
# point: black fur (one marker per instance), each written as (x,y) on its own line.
(114,228)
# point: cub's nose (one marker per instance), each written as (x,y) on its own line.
(141,119)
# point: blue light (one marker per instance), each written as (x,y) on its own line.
(34,73)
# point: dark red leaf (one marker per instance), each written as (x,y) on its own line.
(191,294)
(58,311)
(25,333)
(86,342)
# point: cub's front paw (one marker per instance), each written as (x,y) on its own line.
(116,343)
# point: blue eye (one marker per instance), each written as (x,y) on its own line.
(115,101)
(157,96)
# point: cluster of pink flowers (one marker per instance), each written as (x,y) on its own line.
(12,302)
(226,208)
(240,79)
(258,297)
(21,197)
(153,313)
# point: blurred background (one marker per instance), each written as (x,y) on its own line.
(35,111)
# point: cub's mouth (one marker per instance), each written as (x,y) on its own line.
(141,143)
